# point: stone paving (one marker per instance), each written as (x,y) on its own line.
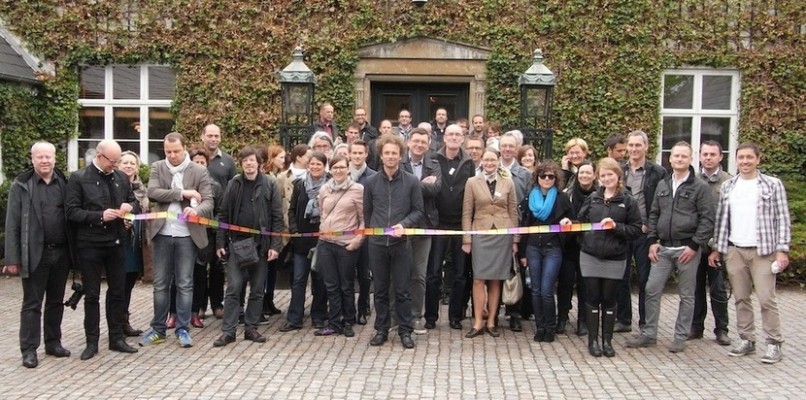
(444,365)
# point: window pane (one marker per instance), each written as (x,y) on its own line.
(86,152)
(129,145)
(155,151)
(716,92)
(92,83)
(161,83)
(160,123)
(675,129)
(126,123)
(717,129)
(392,106)
(448,102)
(678,91)
(91,123)
(126,82)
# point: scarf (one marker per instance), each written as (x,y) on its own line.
(297,172)
(503,172)
(337,187)
(178,172)
(356,173)
(541,206)
(312,189)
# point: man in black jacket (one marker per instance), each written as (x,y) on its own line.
(98,196)
(392,199)
(681,221)
(251,200)
(37,238)
(641,176)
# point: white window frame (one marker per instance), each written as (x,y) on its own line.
(109,103)
(697,113)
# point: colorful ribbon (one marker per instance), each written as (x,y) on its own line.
(211,223)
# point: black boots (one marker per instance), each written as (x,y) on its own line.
(592,316)
(608,321)
(128,330)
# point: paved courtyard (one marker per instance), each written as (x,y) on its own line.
(444,365)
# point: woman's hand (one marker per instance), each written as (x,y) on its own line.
(608,223)
(466,248)
(565,222)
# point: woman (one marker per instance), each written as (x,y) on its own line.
(275,166)
(569,273)
(341,202)
(342,149)
(546,204)
(602,259)
(303,217)
(489,202)
(576,151)
(321,142)
(133,246)
(527,157)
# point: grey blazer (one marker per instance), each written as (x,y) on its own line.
(161,196)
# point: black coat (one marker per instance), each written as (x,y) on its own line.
(562,209)
(613,244)
(297,222)
(267,207)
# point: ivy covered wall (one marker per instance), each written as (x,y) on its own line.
(608,56)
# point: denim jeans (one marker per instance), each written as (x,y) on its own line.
(174,261)
(687,279)
(544,268)
(299,282)
(639,249)
(337,267)
(236,279)
(421,249)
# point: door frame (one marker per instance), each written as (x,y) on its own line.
(418,91)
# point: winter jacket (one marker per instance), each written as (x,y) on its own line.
(388,202)
(685,218)
(452,192)
(612,244)
(267,207)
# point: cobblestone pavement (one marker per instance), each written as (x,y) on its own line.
(444,365)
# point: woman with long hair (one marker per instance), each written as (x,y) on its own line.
(546,204)
(489,203)
(341,202)
(602,259)
(527,157)
(576,151)
(275,166)
(133,246)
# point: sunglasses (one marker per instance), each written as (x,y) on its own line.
(550,177)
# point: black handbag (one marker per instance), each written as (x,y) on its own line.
(244,252)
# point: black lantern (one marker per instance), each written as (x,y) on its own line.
(297,82)
(537,89)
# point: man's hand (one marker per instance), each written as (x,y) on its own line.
(713,259)
(125,208)
(221,253)
(466,248)
(687,255)
(783,260)
(188,211)
(273,254)
(398,230)
(11,269)
(429,179)
(653,252)
(191,194)
(644,228)
(111,214)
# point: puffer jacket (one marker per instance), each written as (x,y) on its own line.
(612,244)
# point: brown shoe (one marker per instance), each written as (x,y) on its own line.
(196,321)
(219,313)
(723,339)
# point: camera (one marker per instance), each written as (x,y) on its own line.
(78,292)
(419,3)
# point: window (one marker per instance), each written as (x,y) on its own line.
(699,105)
(130,104)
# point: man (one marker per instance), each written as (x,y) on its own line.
(98,196)
(616,147)
(475,148)
(464,124)
(373,158)
(478,126)
(37,239)
(427,171)
(522,178)
(712,174)
(753,232)
(360,172)
(641,177)
(221,168)
(352,133)
(456,168)
(404,126)
(367,131)
(325,123)
(178,186)
(438,126)
(252,200)
(680,222)
(392,198)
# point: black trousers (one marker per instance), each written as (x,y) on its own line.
(392,263)
(93,261)
(215,285)
(45,283)
(711,280)
(570,275)
(462,278)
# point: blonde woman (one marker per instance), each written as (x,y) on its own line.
(133,246)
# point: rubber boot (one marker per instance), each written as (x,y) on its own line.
(592,315)
(608,321)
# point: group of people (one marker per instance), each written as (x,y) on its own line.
(467,176)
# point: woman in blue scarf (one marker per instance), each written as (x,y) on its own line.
(546,204)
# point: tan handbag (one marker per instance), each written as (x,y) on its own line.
(513,286)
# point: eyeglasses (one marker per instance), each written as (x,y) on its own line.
(338,168)
(110,160)
(550,177)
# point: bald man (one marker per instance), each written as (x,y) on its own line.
(98,196)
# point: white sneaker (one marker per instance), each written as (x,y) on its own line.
(418,327)
(773,354)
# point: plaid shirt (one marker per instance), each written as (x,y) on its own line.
(773,225)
